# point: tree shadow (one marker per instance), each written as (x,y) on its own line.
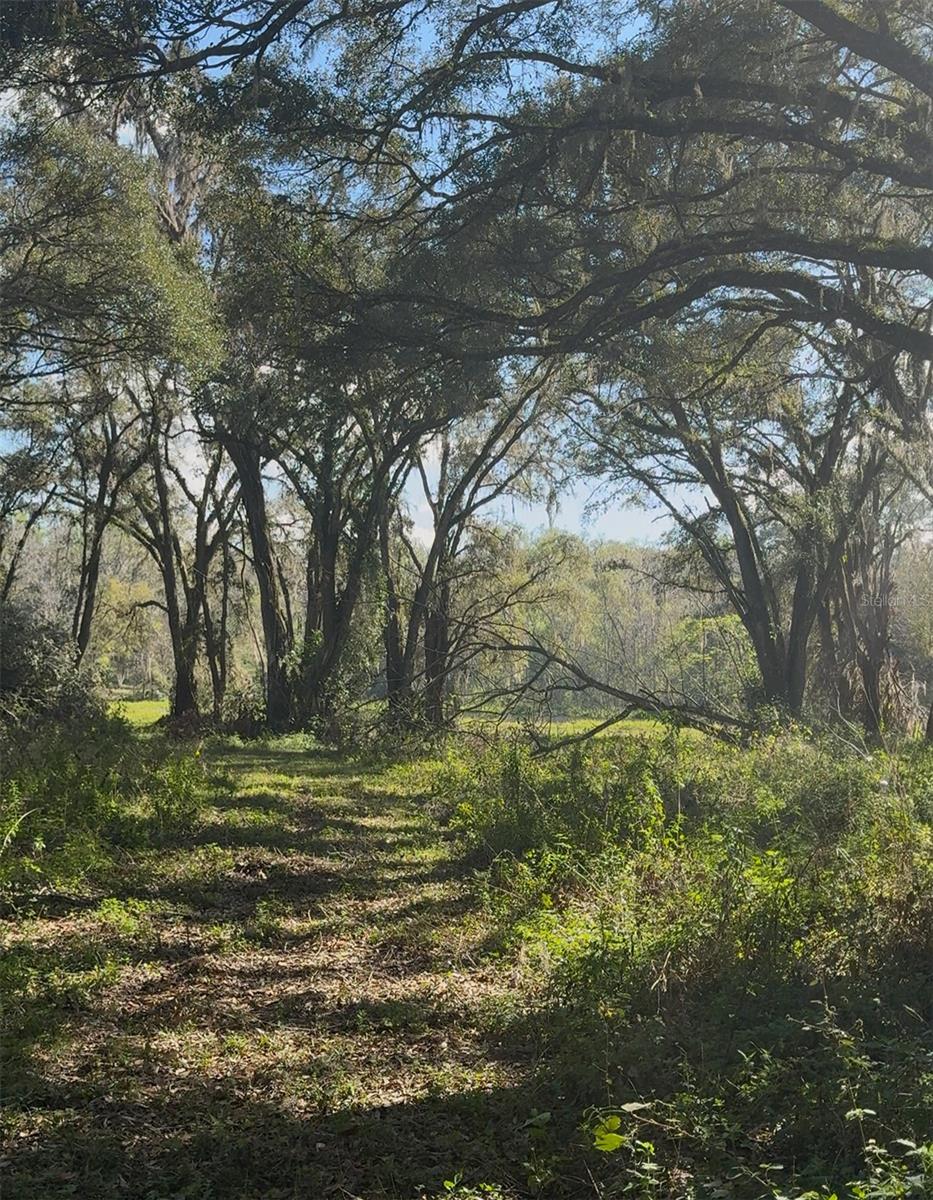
(203,1139)
(145,1129)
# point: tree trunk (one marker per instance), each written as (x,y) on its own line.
(246,462)
(87,597)
(398,680)
(214,646)
(436,658)
(184,695)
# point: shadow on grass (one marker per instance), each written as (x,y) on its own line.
(147,1130)
(305,760)
(204,1140)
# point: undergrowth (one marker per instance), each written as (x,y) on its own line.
(738,953)
(74,793)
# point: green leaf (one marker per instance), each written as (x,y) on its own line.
(607,1142)
(605,1137)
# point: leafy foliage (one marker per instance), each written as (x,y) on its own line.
(76,791)
(738,937)
(38,677)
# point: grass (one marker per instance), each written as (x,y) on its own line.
(141,712)
(147,712)
(318,988)
(293,995)
(564,727)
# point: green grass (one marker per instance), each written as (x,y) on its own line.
(291,994)
(317,985)
(141,712)
(563,727)
(147,712)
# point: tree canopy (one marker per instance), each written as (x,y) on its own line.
(279,276)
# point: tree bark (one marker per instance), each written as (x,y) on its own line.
(277,641)
(437,656)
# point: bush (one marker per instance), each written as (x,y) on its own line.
(244,709)
(506,801)
(38,676)
(72,792)
(737,942)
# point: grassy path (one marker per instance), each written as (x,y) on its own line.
(295,1001)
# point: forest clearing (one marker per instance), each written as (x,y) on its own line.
(466,600)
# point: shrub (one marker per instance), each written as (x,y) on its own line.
(73,791)
(38,676)
(737,942)
(506,801)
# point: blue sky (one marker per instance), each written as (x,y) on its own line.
(618,522)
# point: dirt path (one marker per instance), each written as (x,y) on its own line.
(295,1001)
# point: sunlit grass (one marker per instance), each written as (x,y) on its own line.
(320,972)
(141,712)
(563,727)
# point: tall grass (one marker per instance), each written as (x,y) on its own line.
(738,949)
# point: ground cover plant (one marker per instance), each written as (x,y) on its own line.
(737,951)
(655,966)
